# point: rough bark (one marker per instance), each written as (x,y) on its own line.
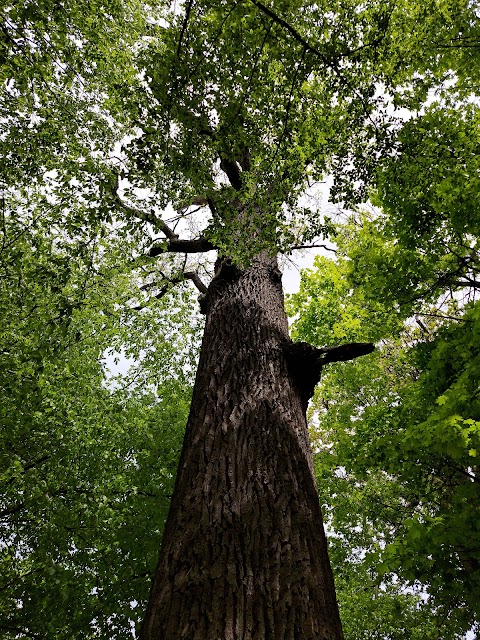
(244,553)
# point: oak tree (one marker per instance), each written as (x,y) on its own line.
(116,111)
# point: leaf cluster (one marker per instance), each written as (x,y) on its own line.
(87,461)
(397,432)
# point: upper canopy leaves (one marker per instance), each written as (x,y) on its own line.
(239,103)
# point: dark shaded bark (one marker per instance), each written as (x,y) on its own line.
(200,245)
(244,553)
(306,362)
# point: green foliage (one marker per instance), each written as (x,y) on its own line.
(432,186)
(87,462)
(330,311)
(305,100)
(170,98)
(397,435)
(62,69)
(243,104)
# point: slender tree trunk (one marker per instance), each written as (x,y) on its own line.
(244,554)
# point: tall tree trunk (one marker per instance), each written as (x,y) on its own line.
(244,554)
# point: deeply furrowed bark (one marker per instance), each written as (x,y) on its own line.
(244,554)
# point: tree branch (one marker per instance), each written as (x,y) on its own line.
(184,27)
(345,352)
(199,201)
(150,217)
(174,244)
(305,362)
(195,278)
(11,510)
(232,171)
(185,275)
(444,317)
(309,47)
(169,233)
(313,246)
(473,284)
(197,245)
(146,216)
(288,27)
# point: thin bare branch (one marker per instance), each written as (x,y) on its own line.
(288,27)
(313,246)
(169,281)
(195,278)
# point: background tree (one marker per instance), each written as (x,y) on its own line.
(402,427)
(87,460)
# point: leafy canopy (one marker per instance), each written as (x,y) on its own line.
(398,432)
(111,112)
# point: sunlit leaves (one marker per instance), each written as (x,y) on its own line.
(87,461)
(432,185)
(397,432)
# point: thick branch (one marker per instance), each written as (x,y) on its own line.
(177,245)
(345,352)
(232,171)
(306,362)
(174,244)
(468,282)
(199,201)
(169,233)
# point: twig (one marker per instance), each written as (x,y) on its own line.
(185,275)
(313,246)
